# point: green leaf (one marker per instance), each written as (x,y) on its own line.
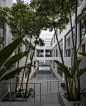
(74,67)
(15,58)
(63,68)
(83,54)
(10,75)
(81,72)
(2,70)
(8,50)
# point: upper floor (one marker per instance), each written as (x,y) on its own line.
(65,39)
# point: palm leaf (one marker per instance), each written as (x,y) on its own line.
(81,72)
(74,67)
(2,70)
(15,58)
(83,54)
(63,68)
(7,51)
(11,75)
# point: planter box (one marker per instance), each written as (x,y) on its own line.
(63,85)
(83,97)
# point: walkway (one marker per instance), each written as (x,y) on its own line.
(48,96)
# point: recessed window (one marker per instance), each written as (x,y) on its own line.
(4,1)
(80,2)
(83,48)
(69,41)
(68,52)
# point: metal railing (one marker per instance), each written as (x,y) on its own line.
(22,89)
(50,84)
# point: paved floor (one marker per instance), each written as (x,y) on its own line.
(48,93)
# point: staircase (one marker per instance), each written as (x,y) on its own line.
(51,100)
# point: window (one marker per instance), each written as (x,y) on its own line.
(47,53)
(69,41)
(54,38)
(68,52)
(80,2)
(4,1)
(56,53)
(2,34)
(47,44)
(83,34)
(83,48)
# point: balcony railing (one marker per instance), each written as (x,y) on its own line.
(40,55)
(11,93)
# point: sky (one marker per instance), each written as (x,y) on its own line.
(44,34)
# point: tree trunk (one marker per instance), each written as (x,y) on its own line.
(30,69)
(72,43)
(78,78)
(61,59)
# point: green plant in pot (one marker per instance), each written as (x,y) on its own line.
(31,92)
(19,92)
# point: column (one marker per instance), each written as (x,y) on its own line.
(78,38)
(55,51)
(44,52)
(35,53)
(58,52)
(64,46)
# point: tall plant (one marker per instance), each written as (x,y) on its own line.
(6,63)
(51,12)
(57,13)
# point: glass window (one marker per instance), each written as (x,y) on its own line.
(4,1)
(56,53)
(80,2)
(68,52)
(83,48)
(47,44)
(69,41)
(83,34)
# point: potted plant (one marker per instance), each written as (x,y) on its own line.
(31,92)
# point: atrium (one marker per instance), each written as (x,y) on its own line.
(43,52)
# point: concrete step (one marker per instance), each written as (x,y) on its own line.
(50,101)
(52,95)
(51,105)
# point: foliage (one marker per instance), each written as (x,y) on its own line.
(7,63)
(82,16)
(80,103)
(4,53)
(70,76)
(30,89)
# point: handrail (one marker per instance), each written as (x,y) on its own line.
(22,89)
(50,84)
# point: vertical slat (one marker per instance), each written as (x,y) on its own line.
(22,92)
(40,93)
(10,92)
(58,87)
(34,93)
(50,86)
(47,86)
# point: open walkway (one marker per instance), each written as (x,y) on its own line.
(48,93)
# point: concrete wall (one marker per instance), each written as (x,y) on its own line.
(2,3)
(83,76)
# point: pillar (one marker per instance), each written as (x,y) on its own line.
(78,38)
(64,46)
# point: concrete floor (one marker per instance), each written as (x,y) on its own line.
(48,95)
